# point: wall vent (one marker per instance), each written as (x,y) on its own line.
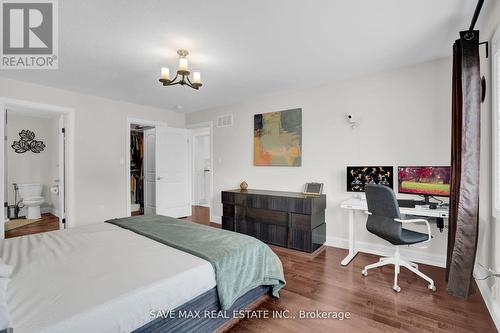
(225,120)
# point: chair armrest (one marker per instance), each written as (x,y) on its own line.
(417,221)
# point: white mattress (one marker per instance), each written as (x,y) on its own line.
(97,278)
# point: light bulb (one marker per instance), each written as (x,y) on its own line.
(196,77)
(165,73)
(183,64)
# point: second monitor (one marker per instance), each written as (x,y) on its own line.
(428,181)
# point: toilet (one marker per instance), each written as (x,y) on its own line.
(31,194)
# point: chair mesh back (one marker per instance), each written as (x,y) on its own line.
(383,206)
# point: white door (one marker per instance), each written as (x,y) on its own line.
(62,173)
(173,189)
(149,172)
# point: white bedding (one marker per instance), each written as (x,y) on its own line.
(97,278)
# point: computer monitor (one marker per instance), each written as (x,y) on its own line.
(428,181)
(359,176)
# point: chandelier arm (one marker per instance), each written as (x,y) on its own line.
(173,80)
(171,83)
(189,83)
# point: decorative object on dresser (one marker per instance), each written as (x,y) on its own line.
(277,138)
(286,219)
(243,185)
(313,189)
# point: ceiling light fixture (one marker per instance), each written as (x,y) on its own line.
(182,75)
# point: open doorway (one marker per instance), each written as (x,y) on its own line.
(158,160)
(142,169)
(202,179)
(36,167)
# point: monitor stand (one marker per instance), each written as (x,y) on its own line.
(424,202)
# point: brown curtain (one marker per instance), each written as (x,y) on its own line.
(464,198)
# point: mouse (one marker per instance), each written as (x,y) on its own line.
(433,206)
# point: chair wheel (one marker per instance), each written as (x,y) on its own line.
(432,287)
(364,272)
(396,288)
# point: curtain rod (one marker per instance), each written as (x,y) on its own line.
(476,14)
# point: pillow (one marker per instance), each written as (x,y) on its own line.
(5,320)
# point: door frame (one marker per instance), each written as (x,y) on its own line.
(192,149)
(126,162)
(69,118)
(210,126)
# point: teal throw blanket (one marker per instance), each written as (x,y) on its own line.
(241,262)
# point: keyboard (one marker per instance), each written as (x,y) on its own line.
(407,203)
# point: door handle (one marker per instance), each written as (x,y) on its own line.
(159,178)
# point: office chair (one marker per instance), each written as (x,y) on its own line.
(384,220)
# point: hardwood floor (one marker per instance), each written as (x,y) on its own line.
(201,215)
(321,283)
(49,222)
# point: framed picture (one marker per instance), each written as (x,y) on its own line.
(313,189)
(277,138)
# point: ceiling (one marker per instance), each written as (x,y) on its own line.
(115,48)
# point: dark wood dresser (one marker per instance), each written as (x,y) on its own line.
(287,219)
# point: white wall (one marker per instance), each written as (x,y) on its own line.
(31,167)
(404,118)
(100,136)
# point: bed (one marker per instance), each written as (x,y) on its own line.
(116,276)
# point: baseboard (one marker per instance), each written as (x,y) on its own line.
(43,210)
(216,219)
(414,255)
(54,212)
(492,304)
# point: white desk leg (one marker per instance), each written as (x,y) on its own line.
(352,247)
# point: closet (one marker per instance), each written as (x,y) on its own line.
(137,171)
(142,169)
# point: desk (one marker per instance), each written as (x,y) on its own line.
(354,204)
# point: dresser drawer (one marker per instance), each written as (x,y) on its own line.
(286,219)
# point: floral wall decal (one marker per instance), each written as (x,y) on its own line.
(27,142)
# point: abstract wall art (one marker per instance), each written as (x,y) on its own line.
(277,138)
